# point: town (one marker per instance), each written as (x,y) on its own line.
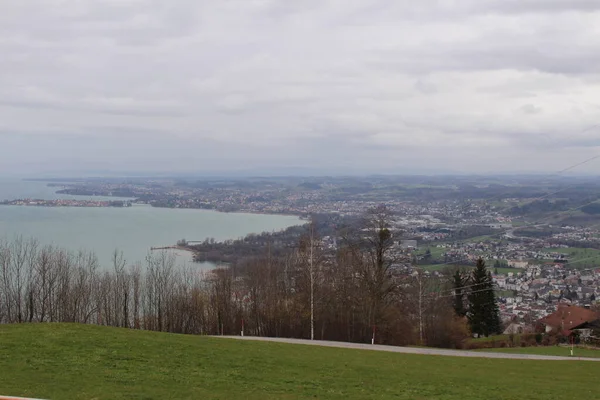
(65,203)
(543,251)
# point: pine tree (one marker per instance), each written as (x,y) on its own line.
(428,254)
(492,314)
(458,283)
(483,313)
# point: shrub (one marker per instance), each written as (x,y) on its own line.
(511,339)
(546,341)
(550,339)
(538,338)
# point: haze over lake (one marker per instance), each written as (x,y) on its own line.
(133,230)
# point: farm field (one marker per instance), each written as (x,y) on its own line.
(440,267)
(579,257)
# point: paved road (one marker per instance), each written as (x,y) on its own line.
(412,350)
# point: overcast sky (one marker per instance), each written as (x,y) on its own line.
(330,86)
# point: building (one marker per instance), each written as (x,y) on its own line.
(518,264)
(567,318)
(408,244)
(587,329)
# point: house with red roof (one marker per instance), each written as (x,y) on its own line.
(567,317)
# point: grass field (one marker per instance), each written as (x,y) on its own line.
(550,351)
(484,238)
(440,267)
(436,252)
(64,361)
(578,257)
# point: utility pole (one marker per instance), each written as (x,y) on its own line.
(420,310)
(312,283)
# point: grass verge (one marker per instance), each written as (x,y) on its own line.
(562,351)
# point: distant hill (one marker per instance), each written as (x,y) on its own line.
(310,185)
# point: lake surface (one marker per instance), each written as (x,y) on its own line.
(133,230)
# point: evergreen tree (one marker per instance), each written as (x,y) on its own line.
(458,283)
(483,314)
(428,254)
(492,314)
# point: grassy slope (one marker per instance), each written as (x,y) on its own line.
(440,267)
(550,351)
(436,252)
(587,256)
(61,361)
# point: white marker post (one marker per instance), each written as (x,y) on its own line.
(572,345)
(373,339)
(242,328)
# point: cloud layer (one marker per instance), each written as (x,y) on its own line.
(331,85)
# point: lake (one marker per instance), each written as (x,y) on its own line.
(133,230)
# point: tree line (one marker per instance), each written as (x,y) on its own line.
(351,293)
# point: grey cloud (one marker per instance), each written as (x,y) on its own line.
(533,6)
(563,56)
(338,85)
(530,109)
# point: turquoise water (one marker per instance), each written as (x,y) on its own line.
(133,230)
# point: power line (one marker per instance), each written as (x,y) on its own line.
(454,262)
(551,175)
(503,233)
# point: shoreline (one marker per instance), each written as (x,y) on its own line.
(69,203)
(133,200)
(61,185)
(215,264)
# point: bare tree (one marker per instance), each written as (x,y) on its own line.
(332,294)
(159,285)
(136,286)
(372,246)
(121,288)
(311,258)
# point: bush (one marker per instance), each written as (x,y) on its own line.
(511,339)
(450,333)
(501,341)
(550,339)
(538,338)
(546,341)
(530,340)
(475,345)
